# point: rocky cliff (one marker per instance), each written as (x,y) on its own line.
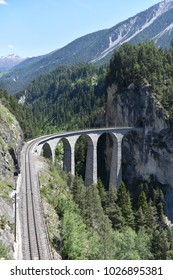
(10,143)
(147,155)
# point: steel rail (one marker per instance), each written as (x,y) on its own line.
(30,211)
(36,245)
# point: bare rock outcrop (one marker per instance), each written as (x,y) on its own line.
(149,154)
(11,138)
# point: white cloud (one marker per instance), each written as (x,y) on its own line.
(10,46)
(3,2)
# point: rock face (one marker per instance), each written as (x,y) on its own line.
(149,154)
(11,138)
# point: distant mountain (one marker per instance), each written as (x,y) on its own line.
(8,62)
(155,23)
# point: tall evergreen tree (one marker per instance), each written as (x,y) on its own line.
(124,203)
(113,210)
(160,245)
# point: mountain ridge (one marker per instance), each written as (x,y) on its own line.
(155,23)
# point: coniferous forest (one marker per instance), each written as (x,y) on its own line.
(123,223)
(95,222)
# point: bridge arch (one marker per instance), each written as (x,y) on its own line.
(67,160)
(93,136)
(84,147)
(47,151)
(107,149)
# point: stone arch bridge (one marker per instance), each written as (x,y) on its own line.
(69,139)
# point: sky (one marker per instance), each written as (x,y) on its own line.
(35,27)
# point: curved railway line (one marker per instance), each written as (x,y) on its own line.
(33,230)
(35,241)
(34,248)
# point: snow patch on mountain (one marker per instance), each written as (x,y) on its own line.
(129,29)
(166,30)
(9,61)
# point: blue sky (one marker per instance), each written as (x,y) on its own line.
(36,27)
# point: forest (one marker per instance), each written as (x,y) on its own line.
(144,64)
(95,222)
(73,97)
(70,97)
(92,223)
(123,223)
(23,114)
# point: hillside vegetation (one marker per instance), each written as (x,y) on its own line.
(67,98)
(90,223)
(124,223)
(73,97)
(10,144)
(23,114)
(144,65)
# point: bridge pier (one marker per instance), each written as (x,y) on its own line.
(116,161)
(69,153)
(91,161)
(69,141)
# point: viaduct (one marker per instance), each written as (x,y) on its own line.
(48,145)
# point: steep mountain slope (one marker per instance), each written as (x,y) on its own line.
(10,144)
(156,23)
(139,93)
(70,97)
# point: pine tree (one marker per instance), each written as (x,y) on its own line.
(79,193)
(94,245)
(151,218)
(125,205)
(160,245)
(142,203)
(143,244)
(113,210)
(102,192)
(125,245)
(74,237)
(139,219)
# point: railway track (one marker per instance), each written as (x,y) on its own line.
(35,242)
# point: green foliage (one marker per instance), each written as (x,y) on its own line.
(102,192)
(159,244)
(67,98)
(95,223)
(124,203)
(23,114)
(144,65)
(4,252)
(59,152)
(143,245)
(113,210)
(125,245)
(3,222)
(80,156)
(74,236)
(5,190)
(99,224)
